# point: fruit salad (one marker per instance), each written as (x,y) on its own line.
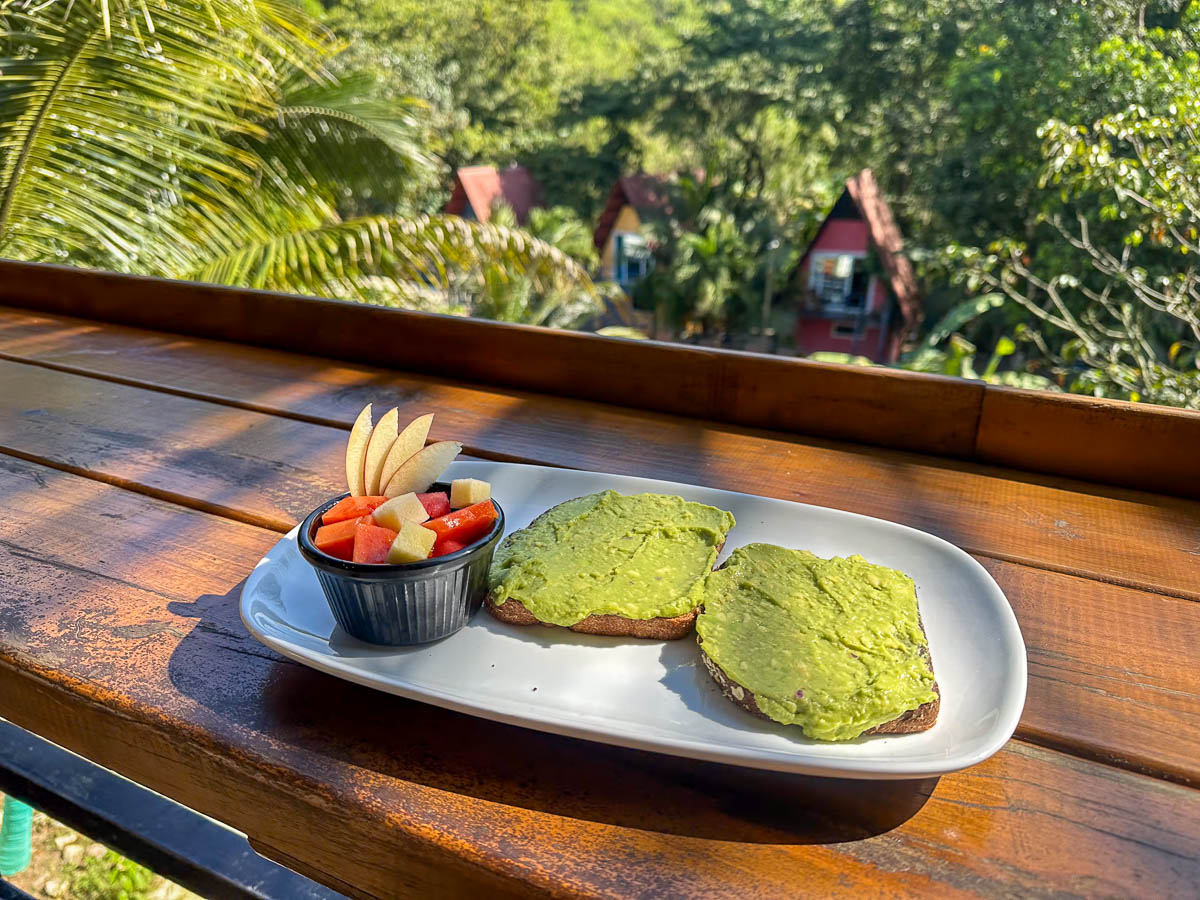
(391,515)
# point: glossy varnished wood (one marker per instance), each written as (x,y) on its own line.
(931,414)
(1112,671)
(124,553)
(257,468)
(876,406)
(127,647)
(271,471)
(1131,538)
(1091,438)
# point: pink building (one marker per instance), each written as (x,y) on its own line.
(858,293)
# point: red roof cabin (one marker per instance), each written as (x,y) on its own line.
(634,200)
(858,292)
(477,188)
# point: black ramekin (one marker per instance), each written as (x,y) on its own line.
(409,603)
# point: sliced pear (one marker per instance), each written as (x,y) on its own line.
(407,443)
(356,451)
(382,438)
(423,469)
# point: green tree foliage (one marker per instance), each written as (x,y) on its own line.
(1040,156)
(715,258)
(497,73)
(213,141)
(508,296)
(1115,307)
(948,101)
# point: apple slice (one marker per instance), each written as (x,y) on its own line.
(468,492)
(407,443)
(423,469)
(382,438)
(398,510)
(413,543)
(356,451)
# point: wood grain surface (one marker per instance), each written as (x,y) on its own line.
(1112,671)
(272,471)
(144,474)
(880,406)
(1091,438)
(126,646)
(1132,538)
(932,414)
(257,468)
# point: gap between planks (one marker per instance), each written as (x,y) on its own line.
(1035,737)
(283,526)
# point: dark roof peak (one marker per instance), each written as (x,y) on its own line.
(884,234)
(648,194)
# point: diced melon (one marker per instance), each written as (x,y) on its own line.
(338,539)
(436,503)
(351,508)
(468,492)
(413,543)
(371,542)
(395,512)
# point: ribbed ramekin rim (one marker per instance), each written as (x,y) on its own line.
(386,571)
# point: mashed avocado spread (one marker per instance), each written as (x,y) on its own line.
(831,645)
(609,554)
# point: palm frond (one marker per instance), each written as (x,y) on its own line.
(419,262)
(208,140)
(348,99)
(110,111)
(333,134)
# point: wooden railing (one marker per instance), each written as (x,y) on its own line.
(1132,445)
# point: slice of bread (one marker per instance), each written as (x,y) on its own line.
(920,719)
(662,628)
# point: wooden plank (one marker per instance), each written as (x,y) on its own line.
(1089,692)
(883,407)
(1153,447)
(1124,537)
(253,467)
(119,638)
(270,471)
(892,408)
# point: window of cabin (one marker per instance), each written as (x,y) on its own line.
(632,258)
(839,279)
(844,330)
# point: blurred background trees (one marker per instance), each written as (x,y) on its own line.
(1040,156)
(229,141)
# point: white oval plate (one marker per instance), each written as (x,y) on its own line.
(656,695)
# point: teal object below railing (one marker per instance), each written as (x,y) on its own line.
(16,833)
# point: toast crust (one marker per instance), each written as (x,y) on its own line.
(920,719)
(662,628)
(659,629)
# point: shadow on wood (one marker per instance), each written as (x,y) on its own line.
(314,715)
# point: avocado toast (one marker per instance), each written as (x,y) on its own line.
(835,646)
(609,564)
